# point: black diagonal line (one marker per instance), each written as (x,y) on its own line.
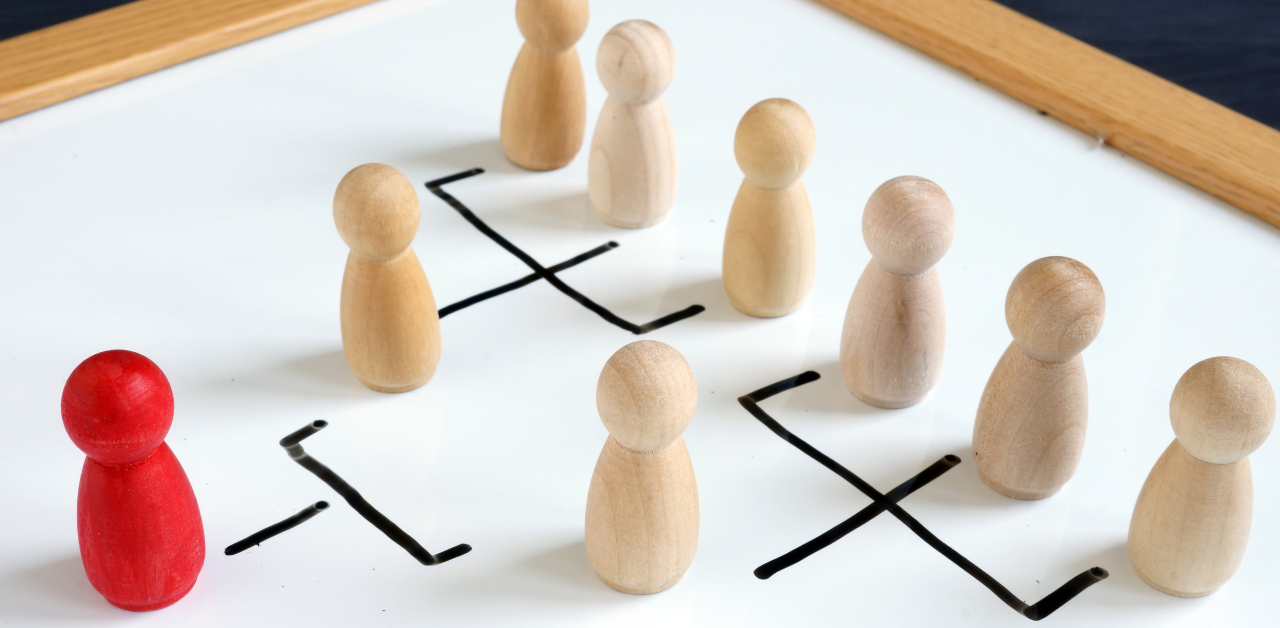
(824,540)
(550,277)
(1040,610)
(526,280)
(293,444)
(276,528)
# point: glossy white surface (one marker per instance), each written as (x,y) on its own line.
(186,215)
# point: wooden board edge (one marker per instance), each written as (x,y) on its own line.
(212,26)
(1207,145)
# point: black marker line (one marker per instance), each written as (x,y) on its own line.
(526,280)
(1035,612)
(276,528)
(434,187)
(293,444)
(935,470)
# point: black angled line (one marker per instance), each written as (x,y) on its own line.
(1035,612)
(544,273)
(526,280)
(293,444)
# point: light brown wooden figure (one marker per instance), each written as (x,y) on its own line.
(390,329)
(1191,523)
(632,172)
(642,507)
(895,330)
(544,112)
(1030,429)
(769,241)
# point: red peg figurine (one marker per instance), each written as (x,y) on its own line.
(141,537)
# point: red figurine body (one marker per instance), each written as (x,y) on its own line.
(141,537)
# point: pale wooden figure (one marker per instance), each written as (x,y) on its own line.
(1191,523)
(390,329)
(895,330)
(632,172)
(769,241)
(642,507)
(1030,429)
(544,112)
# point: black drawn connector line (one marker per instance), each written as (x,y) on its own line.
(1035,612)
(293,444)
(526,280)
(545,273)
(276,528)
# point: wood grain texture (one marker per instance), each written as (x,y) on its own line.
(1029,432)
(544,110)
(895,329)
(61,62)
(642,506)
(390,326)
(769,240)
(633,170)
(1191,523)
(1191,137)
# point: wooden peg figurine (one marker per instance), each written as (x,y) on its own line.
(390,328)
(895,330)
(769,241)
(642,507)
(632,172)
(1030,429)
(141,537)
(1191,523)
(544,112)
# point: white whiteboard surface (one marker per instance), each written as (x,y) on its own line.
(186,215)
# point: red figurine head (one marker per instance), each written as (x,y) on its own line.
(117,407)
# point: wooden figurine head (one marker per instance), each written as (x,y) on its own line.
(376,211)
(646,395)
(774,143)
(908,225)
(1222,409)
(552,26)
(117,407)
(1055,308)
(636,62)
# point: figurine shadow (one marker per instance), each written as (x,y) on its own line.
(563,212)
(323,374)
(485,153)
(557,575)
(829,397)
(57,588)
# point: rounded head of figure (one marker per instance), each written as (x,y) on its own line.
(376,211)
(646,395)
(117,407)
(636,62)
(1222,409)
(552,26)
(774,143)
(1055,308)
(908,225)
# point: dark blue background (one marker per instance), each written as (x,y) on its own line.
(1226,50)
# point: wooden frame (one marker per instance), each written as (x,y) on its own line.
(67,60)
(1201,142)
(1224,153)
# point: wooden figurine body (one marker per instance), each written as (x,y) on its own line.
(1030,429)
(642,507)
(141,536)
(544,112)
(769,253)
(390,327)
(895,330)
(632,173)
(1191,523)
